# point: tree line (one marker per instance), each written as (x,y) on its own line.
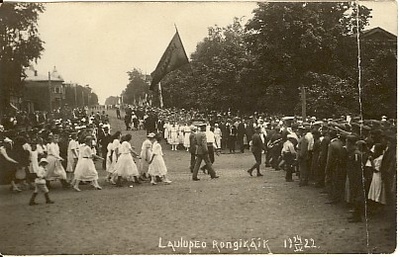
(262,64)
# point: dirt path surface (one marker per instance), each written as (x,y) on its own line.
(233,214)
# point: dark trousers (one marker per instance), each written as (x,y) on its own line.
(240,143)
(231,143)
(199,159)
(304,171)
(210,148)
(267,157)
(104,155)
(192,161)
(275,154)
(257,156)
(320,175)
(337,185)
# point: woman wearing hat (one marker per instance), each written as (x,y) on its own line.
(85,169)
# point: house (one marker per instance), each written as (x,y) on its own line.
(378,36)
(43,92)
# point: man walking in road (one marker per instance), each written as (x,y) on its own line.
(202,154)
(257,146)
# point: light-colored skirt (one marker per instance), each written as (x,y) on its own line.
(55,170)
(85,170)
(157,166)
(186,141)
(126,167)
(377,189)
(71,163)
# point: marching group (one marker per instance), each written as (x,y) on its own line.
(352,160)
(64,149)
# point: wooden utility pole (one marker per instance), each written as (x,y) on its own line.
(50,103)
(303,103)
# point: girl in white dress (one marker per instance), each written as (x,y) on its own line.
(55,170)
(181,134)
(157,165)
(112,155)
(72,157)
(186,140)
(218,135)
(376,191)
(126,168)
(168,132)
(145,155)
(174,136)
(85,169)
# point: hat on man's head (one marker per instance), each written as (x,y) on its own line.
(43,160)
(151,135)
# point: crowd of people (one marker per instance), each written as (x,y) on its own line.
(354,161)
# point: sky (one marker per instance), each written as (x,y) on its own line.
(98,43)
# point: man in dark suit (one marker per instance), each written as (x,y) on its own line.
(335,167)
(241,131)
(202,154)
(323,155)
(257,146)
(104,140)
(192,148)
(232,135)
(303,157)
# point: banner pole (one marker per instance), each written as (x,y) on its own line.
(160,95)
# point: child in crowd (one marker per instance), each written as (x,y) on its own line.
(40,183)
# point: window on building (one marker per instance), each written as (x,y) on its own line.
(57,90)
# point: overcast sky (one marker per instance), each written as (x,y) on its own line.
(97,43)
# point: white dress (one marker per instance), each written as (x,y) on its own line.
(186,140)
(157,166)
(115,145)
(174,135)
(108,161)
(34,157)
(168,131)
(218,137)
(85,169)
(181,134)
(55,170)
(73,144)
(126,167)
(145,155)
(377,191)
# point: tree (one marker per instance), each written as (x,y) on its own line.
(19,43)
(290,40)
(137,87)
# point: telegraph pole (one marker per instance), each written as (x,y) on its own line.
(50,103)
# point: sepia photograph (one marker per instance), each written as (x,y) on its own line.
(198,127)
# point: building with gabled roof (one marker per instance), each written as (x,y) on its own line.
(43,92)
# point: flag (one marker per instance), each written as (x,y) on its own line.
(173,58)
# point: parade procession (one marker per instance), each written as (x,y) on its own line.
(277,134)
